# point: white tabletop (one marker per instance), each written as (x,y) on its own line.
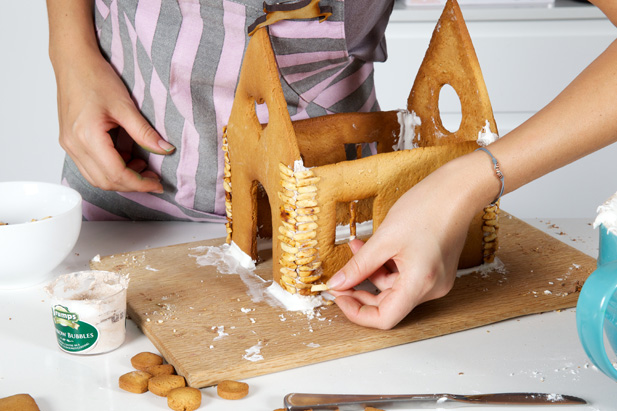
(538,353)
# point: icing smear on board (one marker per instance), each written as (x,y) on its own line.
(497,266)
(230,259)
(607,215)
(254,353)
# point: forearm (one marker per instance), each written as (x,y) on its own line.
(72,37)
(581,120)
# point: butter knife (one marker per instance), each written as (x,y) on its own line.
(302,402)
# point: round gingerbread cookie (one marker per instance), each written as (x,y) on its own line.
(162,384)
(232,390)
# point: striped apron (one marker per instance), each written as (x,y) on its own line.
(181,61)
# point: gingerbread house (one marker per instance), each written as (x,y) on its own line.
(292,181)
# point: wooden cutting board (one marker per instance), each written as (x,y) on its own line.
(206,324)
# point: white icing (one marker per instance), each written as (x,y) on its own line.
(295,302)
(254,353)
(232,260)
(243,258)
(225,259)
(221,332)
(363,229)
(484,269)
(486,136)
(408,122)
(607,215)
(228,259)
(299,166)
(555,397)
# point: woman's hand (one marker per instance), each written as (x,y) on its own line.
(413,255)
(92,100)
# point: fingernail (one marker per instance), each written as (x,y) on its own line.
(166,146)
(337,280)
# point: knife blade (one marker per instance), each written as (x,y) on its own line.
(302,402)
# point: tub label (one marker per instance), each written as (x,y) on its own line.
(73,335)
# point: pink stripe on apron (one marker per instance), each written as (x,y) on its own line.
(288,60)
(313,93)
(369,104)
(183,60)
(345,87)
(189,160)
(139,85)
(292,78)
(146,19)
(117,52)
(293,29)
(102,8)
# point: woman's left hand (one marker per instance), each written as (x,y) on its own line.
(413,256)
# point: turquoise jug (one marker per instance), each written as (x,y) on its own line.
(596,310)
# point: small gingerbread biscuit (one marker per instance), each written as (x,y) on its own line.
(161,369)
(144,360)
(184,399)
(162,384)
(18,402)
(232,390)
(135,381)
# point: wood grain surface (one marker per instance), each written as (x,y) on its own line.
(209,327)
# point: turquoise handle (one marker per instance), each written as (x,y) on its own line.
(596,313)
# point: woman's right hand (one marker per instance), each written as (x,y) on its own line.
(92,100)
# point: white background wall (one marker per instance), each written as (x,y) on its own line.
(29,148)
(28,121)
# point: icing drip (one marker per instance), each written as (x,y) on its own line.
(486,136)
(408,121)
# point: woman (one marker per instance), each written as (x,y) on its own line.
(92,101)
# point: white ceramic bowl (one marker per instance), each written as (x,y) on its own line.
(30,250)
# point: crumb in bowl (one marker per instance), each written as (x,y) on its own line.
(31,221)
